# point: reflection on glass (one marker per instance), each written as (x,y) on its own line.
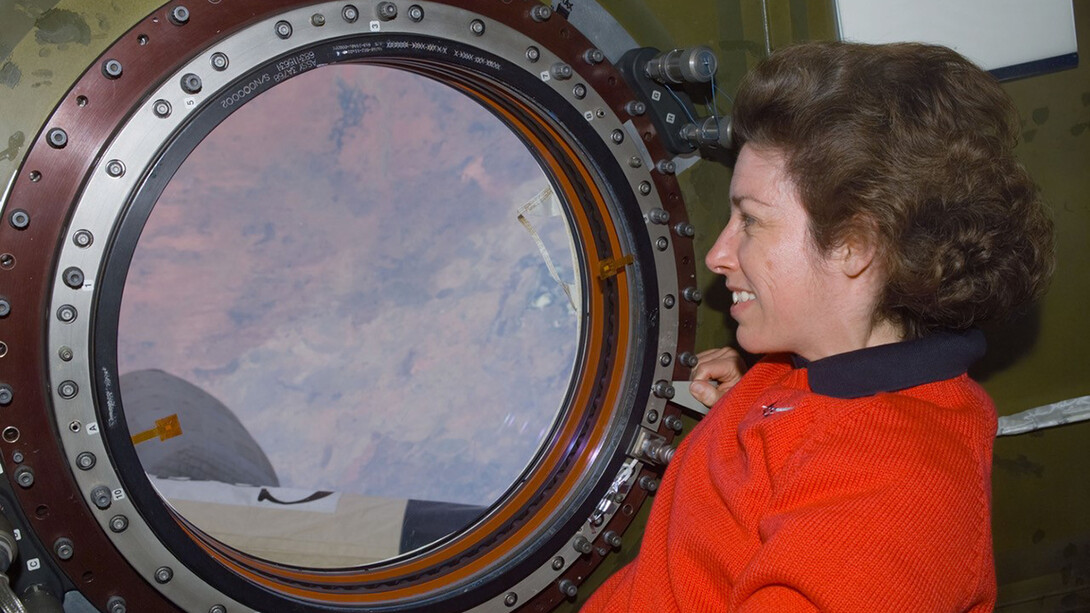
(361,339)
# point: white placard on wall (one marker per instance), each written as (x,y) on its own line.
(1011,38)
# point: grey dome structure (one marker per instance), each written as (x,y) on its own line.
(214,445)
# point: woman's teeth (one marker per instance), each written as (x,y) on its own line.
(740,297)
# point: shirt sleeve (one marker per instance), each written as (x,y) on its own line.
(886,509)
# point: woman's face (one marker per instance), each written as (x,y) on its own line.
(786,296)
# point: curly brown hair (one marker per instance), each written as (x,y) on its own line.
(910,146)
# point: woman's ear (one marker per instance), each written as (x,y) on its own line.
(857,252)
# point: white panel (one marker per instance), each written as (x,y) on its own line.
(992,33)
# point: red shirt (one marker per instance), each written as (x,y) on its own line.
(783,499)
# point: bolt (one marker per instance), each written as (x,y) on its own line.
(112,69)
(558,563)
(661,243)
(115,168)
(119,523)
(5,307)
(612,539)
(83,238)
(217,608)
(533,53)
(511,599)
(635,162)
(579,91)
(191,83)
(582,544)
(163,574)
(73,277)
(66,354)
(617,136)
(567,588)
(283,29)
(540,13)
(416,13)
(179,16)
(649,483)
(68,389)
(57,138)
(63,548)
(665,359)
(666,167)
(560,71)
(668,301)
(85,460)
(687,359)
(24,476)
(219,61)
(74,426)
(635,107)
(116,605)
(674,423)
(658,216)
(477,27)
(692,294)
(350,13)
(19,219)
(594,56)
(386,10)
(17,456)
(161,108)
(67,313)
(6,394)
(317,20)
(100,496)
(663,389)
(652,416)
(685,229)
(645,189)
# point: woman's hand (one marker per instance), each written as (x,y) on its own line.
(716,372)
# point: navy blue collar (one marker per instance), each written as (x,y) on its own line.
(897,366)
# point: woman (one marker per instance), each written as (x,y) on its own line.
(877,216)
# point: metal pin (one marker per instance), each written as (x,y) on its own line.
(687,359)
(568,588)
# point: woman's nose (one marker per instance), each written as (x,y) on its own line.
(723,256)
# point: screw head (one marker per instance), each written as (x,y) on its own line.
(219,61)
(163,574)
(579,91)
(662,243)
(350,13)
(116,605)
(64,548)
(283,29)
(112,69)
(665,359)
(476,27)
(86,460)
(617,136)
(416,13)
(386,11)
(100,497)
(669,301)
(653,415)
(83,238)
(645,188)
(19,219)
(73,277)
(5,308)
(67,313)
(540,13)
(24,476)
(191,83)
(558,563)
(511,599)
(119,523)
(66,354)
(115,168)
(179,16)
(57,138)
(217,608)
(68,389)
(317,20)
